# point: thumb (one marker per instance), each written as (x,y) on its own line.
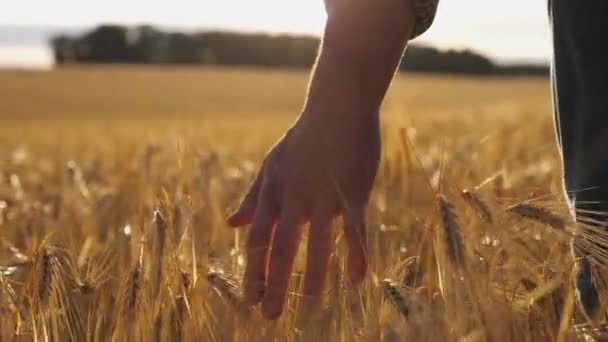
(244,214)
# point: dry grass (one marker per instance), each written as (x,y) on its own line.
(114,182)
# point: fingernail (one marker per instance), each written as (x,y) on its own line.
(237,218)
(231,218)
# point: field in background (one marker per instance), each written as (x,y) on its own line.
(114,182)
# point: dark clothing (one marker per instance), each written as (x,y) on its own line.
(579,76)
(580,98)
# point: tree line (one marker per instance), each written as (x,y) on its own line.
(149,45)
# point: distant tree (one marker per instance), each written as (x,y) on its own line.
(62,46)
(105,44)
(524,69)
(183,49)
(146,44)
(423,58)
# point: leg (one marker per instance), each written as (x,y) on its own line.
(580,97)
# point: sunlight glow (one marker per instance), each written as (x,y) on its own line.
(506,30)
(260,15)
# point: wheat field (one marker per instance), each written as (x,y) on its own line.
(115,181)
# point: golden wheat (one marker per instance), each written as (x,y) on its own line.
(451,230)
(539,214)
(482,209)
(115,181)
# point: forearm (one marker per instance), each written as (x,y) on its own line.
(361,48)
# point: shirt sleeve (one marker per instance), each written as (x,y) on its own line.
(424,14)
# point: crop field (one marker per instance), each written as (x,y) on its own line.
(115,182)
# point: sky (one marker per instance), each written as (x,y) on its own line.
(507,31)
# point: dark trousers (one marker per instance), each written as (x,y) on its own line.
(580,97)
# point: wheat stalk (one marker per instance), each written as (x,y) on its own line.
(94,273)
(10,292)
(47,263)
(135,279)
(177,317)
(480,207)
(395,298)
(225,289)
(542,215)
(451,229)
(161,225)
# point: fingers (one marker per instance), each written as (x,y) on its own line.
(258,247)
(317,256)
(354,232)
(244,214)
(283,252)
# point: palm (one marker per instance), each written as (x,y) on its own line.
(315,172)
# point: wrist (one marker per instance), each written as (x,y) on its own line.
(337,89)
(338,117)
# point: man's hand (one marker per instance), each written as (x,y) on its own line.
(321,168)
(326,163)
